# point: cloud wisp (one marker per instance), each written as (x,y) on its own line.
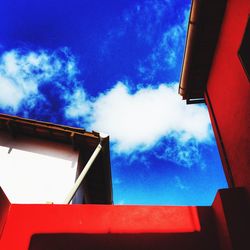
(22,73)
(158,33)
(167,50)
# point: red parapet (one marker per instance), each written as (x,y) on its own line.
(24,222)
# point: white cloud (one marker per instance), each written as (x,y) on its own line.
(21,74)
(79,105)
(138,121)
(151,117)
(10,95)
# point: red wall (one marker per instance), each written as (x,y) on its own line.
(231,219)
(51,227)
(229,93)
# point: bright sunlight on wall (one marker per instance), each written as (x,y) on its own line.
(36,171)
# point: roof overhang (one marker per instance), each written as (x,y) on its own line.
(97,186)
(205,21)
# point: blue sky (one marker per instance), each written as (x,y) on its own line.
(114,66)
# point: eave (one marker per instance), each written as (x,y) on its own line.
(204,26)
(97,186)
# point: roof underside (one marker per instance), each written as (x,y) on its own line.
(97,185)
(203,31)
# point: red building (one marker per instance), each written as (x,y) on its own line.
(215,71)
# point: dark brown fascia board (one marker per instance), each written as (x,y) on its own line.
(47,125)
(49,131)
(205,21)
(79,139)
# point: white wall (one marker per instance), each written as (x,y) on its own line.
(36,171)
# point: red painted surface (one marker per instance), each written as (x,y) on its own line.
(229,92)
(232,219)
(48,227)
(25,220)
(202,240)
